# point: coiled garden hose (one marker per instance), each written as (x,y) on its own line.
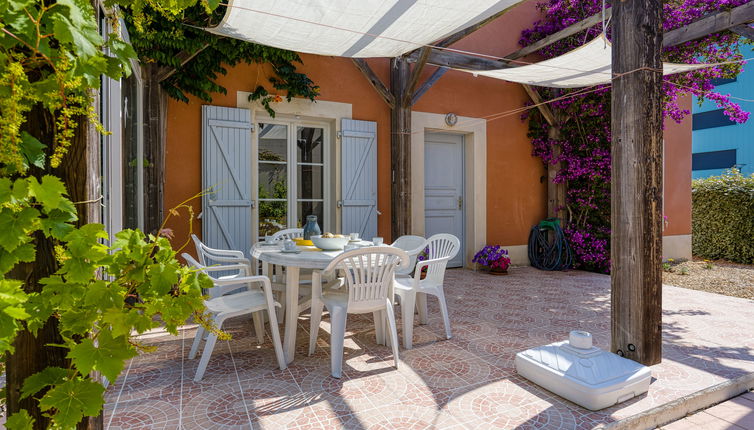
(549,253)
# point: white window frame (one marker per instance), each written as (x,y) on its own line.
(292,166)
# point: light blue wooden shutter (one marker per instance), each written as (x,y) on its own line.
(226,168)
(359,172)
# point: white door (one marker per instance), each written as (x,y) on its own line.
(444,200)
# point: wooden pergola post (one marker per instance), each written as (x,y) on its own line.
(636,215)
(400,147)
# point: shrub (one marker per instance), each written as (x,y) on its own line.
(723,217)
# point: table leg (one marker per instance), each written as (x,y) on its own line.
(291,312)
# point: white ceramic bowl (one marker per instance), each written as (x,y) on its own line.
(329,243)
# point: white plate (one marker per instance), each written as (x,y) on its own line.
(268,243)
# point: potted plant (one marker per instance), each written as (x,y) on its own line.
(493,258)
(424,255)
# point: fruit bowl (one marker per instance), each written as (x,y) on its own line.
(330,243)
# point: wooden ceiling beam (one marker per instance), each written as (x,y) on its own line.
(416,74)
(455,37)
(375,81)
(560,35)
(744,30)
(436,75)
(713,23)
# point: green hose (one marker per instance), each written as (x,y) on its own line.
(546,254)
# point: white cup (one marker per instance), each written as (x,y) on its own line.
(377,240)
(354,236)
(289,245)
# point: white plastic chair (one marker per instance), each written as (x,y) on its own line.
(413,245)
(368,274)
(441,249)
(227,259)
(222,307)
(290,233)
(277,276)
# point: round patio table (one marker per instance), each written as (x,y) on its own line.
(309,258)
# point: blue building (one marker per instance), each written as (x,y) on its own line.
(717,142)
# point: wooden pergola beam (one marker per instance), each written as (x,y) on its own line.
(375,81)
(744,30)
(434,77)
(415,75)
(713,23)
(455,37)
(562,34)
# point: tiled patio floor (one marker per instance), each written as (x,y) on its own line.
(466,382)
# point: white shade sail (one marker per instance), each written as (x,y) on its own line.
(585,66)
(352,28)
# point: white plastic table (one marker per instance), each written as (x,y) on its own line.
(309,258)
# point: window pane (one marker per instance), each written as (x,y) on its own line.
(273,142)
(273,181)
(273,217)
(309,208)
(310,182)
(309,143)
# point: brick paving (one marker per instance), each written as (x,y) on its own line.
(465,382)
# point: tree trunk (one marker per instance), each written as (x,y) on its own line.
(80,172)
(636,217)
(400,147)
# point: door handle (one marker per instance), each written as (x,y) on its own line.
(460,202)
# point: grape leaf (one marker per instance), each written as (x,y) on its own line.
(20,421)
(48,376)
(50,193)
(107,356)
(72,400)
(14,225)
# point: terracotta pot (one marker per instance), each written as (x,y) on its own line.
(497,271)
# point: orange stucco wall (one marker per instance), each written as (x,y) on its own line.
(678,174)
(516,197)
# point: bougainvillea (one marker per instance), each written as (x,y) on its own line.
(582,143)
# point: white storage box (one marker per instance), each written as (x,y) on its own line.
(583,374)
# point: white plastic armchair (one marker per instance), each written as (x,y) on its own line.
(368,274)
(441,248)
(289,233)
(222,307)
(413,245)
(224,257)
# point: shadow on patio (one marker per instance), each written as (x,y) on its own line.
(466,382)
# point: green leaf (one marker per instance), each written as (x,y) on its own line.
(15,225)
(5,190)
(162,277)
(57,223)
(32,150)
(20,421)
(36,382)
(108,356)
(73,400)
(50,193)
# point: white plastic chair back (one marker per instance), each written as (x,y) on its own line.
(211,256)
(289,233)
(413,245)
(440,246)
(369,274)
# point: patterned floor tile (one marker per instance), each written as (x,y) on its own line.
(468,381)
